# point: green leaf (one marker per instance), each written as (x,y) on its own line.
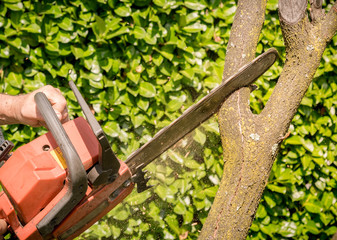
(118,32)
(78,52)
(307,102)
(66,24)
(174,105)
(276,188)
(161,191)
(52,47)
(192,17)
(172,222)
(188,217)
(334,137)
(30,85)
(297,195)
(147,90)
(54,10)
(331,230)
(192,164)
(137,120)
(189,73)
(195,4)
(143,103)
(16,42)
(294,140)
(313,206)
(160,3)
(15,6)
(123,10)
(99,27)
(195,27)
(308,145)
(288,229)
(180,208)
(116,231)
(133,77)
(319,161)
(261,212)
(269,229)
(122,215)
(199,137)
(158,60)
(112,129)
(176,157)
(5,52)
(254,227)
(40,77)
(211,191)
(138,198)
(167,52)
(14,79)
(32,28)
(284,174)
(312,228)
(327,200)
(306,160)
(139,32)
(320,185)
(270,200)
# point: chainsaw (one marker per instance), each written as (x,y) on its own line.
(61,183)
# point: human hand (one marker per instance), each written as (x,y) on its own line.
(27,112)
(3,228)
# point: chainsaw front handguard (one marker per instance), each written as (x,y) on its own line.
(77,180)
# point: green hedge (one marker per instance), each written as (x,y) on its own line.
(140,64)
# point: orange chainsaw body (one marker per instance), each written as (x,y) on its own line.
(34,180)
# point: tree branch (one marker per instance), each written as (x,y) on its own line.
(305,44)
(329,24)
(231,215)
(250,142)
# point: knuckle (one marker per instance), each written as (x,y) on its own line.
(48,87)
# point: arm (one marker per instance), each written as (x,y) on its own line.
(22,108)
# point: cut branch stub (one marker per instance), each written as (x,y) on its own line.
(316,11)
(292,11)
(317,3)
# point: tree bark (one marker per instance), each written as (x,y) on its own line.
(251,142)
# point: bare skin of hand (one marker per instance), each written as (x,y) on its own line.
(3,228)
(22,109)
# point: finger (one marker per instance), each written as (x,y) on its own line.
(3,227)
(58,103)
(60,109)
(65,116)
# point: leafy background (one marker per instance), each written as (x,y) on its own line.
(140,64)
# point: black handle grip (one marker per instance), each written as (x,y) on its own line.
(77,180)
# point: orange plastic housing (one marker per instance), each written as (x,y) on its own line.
(33,180)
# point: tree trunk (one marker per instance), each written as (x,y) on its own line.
(251,142)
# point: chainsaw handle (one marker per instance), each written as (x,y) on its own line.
(77,180)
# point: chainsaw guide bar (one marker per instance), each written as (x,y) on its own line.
(200,112)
